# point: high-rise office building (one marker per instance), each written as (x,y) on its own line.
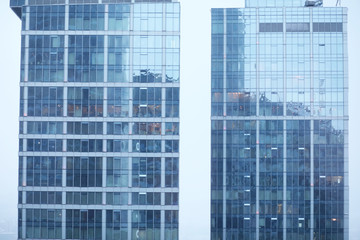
(279,121)
(99,119)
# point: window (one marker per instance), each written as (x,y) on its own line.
(271,27)
(147,59)
(146,198)
(172,146)
(327,27)
(117,128)
(146,172)
(148,17)
(117,198)
(171,172)
(117,173)
(85,128)
(21,179)
(45,101)
(43,223)
(86,58)
(85,102)
(45,127)
(84,145)
(117,145)
(119,59)
(146,223)
(298,27)
(171,198)
(172,128)
(118,102)
(239,103)
(171,224)
(84,198)
(117,224)
(43,197)
(44,145)
(146,128)
(146,146)
(46,58)
(172,102)
(44,171)
(172,17)
(147,102)
(84,172)
(47,17)
(119,17)
(83,224)
(86,17)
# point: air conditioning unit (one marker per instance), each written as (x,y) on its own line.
(313,3)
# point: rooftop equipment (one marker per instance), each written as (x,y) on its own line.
(313,3)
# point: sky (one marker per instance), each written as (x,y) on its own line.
(195,114)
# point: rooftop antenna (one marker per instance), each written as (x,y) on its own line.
(338,3)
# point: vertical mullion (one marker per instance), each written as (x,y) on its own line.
(257,128)
(284,179)
(311,179)
(285,127)
(311,128)
(103,224)
(24,223)
(224,130)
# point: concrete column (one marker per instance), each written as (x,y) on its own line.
(106,56)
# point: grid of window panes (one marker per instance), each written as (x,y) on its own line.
(274,3)
(271,168)
(241,178)
(298,74)
(46,58)
(330,175)
(99,125)
(217,179)
(298,179)
(271,61)
(279,122)
(329,51)
(86,58)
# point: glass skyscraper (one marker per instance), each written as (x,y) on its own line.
(99,119)
(279,160)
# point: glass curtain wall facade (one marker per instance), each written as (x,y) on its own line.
(99,119)
(279,160)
